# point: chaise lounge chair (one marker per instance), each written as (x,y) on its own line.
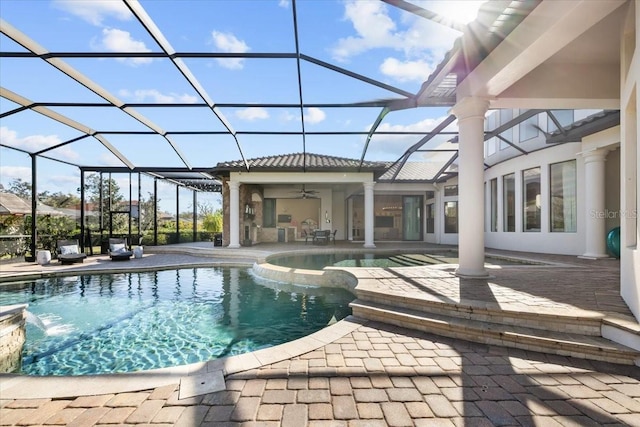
(118,249)
(69,252)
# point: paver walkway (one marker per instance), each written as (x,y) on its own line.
(389,376)
(376,376)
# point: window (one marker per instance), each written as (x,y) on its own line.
(531,195)
(450,190)
(509,202)
(506,116)
(431,195)
(563,196)
(431,218)
(491,146)
(565,117)
(528,129)
(494,204)
(269,213)
(490,126)
(451,217)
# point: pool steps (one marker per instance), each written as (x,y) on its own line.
(577,335)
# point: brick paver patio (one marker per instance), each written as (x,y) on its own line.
(379,375)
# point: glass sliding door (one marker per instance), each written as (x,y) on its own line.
(412,217)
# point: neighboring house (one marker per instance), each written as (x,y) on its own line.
(10,204)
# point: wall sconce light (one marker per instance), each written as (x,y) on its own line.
(249,211)
(326,217)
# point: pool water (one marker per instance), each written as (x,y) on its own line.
(374,259)
(138,321)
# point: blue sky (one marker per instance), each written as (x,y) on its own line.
(366,37)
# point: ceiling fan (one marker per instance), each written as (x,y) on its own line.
(306,194)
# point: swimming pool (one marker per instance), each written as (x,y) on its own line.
(138,321)
(351,259)
(318,261)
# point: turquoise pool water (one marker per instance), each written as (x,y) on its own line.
(378,259)
(137,321)
(373,259)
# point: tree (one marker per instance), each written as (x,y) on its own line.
(59,200)
(147,207)
(204,209)
(20,188)
(104,193)
(212,222)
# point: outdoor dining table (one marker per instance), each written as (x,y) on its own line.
(321,237)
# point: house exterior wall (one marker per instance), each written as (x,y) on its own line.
(612,189)
(543,241)
(630,158)
(338,215)
(445,238)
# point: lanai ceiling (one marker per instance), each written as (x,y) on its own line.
(66,73)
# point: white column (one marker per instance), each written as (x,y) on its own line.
(470,113)
(595,220)
(234,214)
(350,218)
(368,214)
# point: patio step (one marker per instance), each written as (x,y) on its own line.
(575,322)
(405,261)
(412,260)
(553,342)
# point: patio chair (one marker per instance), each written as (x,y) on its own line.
(119,250)
(69,252)
(306,236)
(333,236)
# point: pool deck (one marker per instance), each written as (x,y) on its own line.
(360,372)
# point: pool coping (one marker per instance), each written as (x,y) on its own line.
(15,386)
(18,386)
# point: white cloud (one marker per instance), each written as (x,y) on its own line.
(286,116)
(34,143)
(314,115)
(417,39)
(108,159)
(373,26)
(425,125)
(9,173)
(284,3)
(115,40)
(252,113)
(406,70)
(142,95)
(395,145)
(227,42)
(95,11)
(64,180)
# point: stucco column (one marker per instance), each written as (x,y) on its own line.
(368,214)
(595,220)
(470,113)
(350,218)
(234,214)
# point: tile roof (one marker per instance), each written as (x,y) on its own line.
(10,204)
(300,161)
